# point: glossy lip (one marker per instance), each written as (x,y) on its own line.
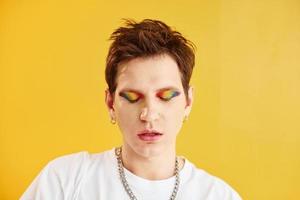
(149,135)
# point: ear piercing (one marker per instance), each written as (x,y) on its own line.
(185,118)
(113,121)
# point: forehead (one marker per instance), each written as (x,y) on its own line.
(149,73)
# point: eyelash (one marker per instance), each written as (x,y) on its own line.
(133,101)
(165,99)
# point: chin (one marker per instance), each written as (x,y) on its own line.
(150,150)
(147,149)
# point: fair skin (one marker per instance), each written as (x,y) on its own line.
(149,105)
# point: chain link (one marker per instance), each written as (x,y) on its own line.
(118,152)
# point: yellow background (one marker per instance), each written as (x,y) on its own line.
(245,122)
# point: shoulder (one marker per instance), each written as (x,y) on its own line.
(66,161)
(63,175)
(74,165)
(77,160)
(223,189)
(214,187)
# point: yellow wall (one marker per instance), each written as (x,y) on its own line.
(245,122)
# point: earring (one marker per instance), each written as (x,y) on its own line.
(113,121)
(185,118)
(112,116)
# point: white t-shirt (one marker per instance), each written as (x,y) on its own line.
(84,176)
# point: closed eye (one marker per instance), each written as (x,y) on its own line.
(132,97)
(167,95)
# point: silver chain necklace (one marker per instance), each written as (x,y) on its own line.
(118,152)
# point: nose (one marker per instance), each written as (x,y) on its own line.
(149,114)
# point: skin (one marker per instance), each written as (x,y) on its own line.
(149,96)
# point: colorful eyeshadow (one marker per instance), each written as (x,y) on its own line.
(166,95)
(130,96)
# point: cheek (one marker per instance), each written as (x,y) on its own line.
(174,116)
(126,117)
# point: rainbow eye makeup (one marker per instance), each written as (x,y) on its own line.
(164,94)
(167,95)
(132,97)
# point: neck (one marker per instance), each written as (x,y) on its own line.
(157,167)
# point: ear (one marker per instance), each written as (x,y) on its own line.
(109,101)
(189,101)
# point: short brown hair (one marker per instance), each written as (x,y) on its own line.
(145,39)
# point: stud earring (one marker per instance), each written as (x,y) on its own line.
(113,121)
(185,118)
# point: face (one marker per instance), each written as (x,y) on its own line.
(149,104)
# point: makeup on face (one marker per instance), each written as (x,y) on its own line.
(131,96)
(167,94)
(164,94)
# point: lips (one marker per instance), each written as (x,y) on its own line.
(149,135)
